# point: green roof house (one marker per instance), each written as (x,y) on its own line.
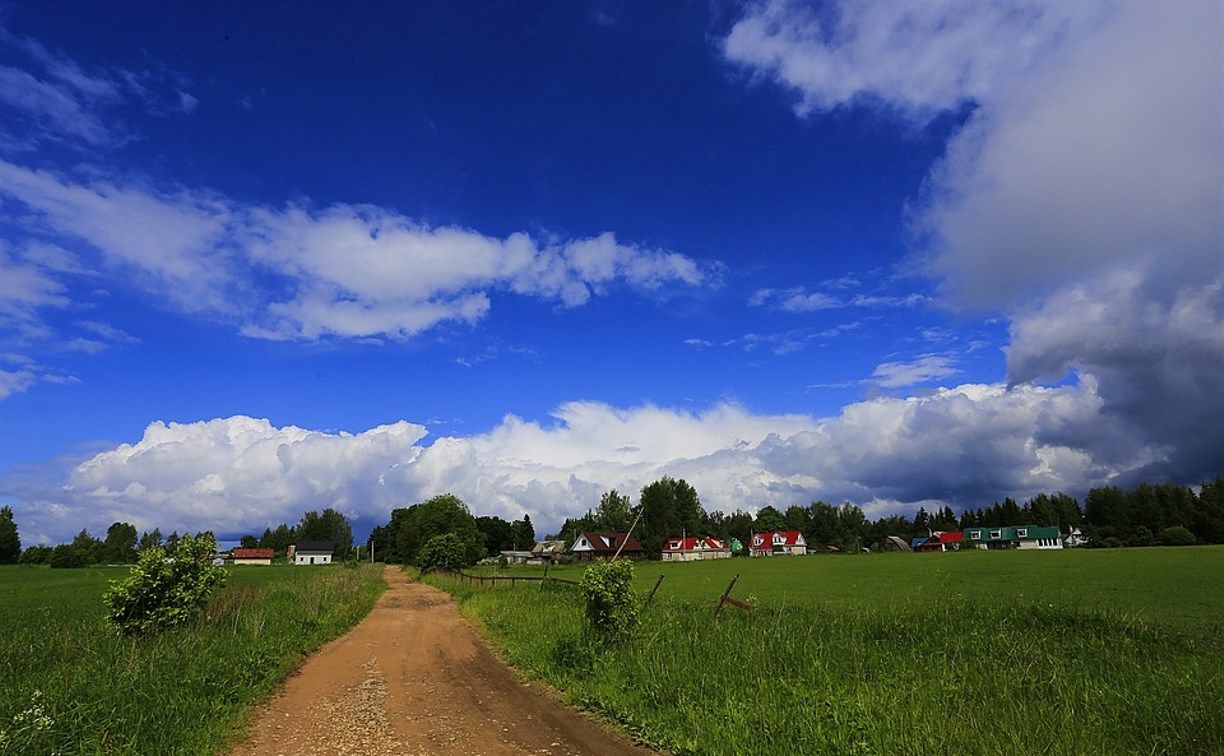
(1014,537)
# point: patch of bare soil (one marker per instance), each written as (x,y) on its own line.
(414,678)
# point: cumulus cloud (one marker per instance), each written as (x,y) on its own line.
(349,271)
(965,446)
(918,58)
(1081,197)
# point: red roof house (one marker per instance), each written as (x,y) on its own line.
(253,556)
(694,548)
(781,542)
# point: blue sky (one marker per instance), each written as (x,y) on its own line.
(259,259)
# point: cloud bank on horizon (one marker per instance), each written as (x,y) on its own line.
(1081,199)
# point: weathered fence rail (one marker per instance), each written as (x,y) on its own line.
(513,580)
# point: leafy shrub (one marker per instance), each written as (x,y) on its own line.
(611,608)
(1177,536)
(443,552)
(165,591)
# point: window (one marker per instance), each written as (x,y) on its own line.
(996,534)
(1022,532)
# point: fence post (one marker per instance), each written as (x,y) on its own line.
(652,591)
(725,598)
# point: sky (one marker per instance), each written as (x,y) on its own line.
(263,258)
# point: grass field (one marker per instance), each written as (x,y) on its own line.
(1118,651)
(71,685)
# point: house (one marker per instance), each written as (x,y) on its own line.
(590,546)
(253,556)
(940,540)
(546,552)
(780,542)
(312,552)
(516,557)
(694,549)
(1015,537)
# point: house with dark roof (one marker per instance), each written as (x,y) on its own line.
(778,543)
(591,546)
(312,552)
(692,549)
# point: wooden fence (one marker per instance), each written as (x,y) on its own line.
(513,580)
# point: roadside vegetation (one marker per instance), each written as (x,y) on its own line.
(1004,652)
(73,684)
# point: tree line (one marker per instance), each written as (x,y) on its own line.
(1145,515)
(122,545)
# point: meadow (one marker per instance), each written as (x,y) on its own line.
(1109,651)
(72,685)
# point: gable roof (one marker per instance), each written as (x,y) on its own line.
(777,538)
(254,553)
(608,543)
(692,543)
(326,546)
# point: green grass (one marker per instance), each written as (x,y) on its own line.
(1057,652)
(182,692)
(1178,586)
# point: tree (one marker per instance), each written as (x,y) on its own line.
(248,542)
(768,520)
(614,514)
(329,525)
(445,513)
(498,534)
(120,544)
(443,552)
(150,540)
(36,555)
(523,533)
(669,507)
(10,542)
(165,591)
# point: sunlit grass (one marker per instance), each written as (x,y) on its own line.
(977,653)
(181,692)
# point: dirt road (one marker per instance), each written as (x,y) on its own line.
(413,678)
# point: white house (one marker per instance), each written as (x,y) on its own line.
(312,552)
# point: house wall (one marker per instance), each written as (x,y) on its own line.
(309,558)
(238,562)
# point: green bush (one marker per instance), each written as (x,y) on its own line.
(1176,536)
(443,552)
(611,608)
(164,591)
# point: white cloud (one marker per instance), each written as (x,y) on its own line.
(1081,198)
(918,58)
(54,99)
(14,382)
(349,271)
(927,368)
(965,446)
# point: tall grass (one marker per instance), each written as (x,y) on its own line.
(982,673)
(72,685)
